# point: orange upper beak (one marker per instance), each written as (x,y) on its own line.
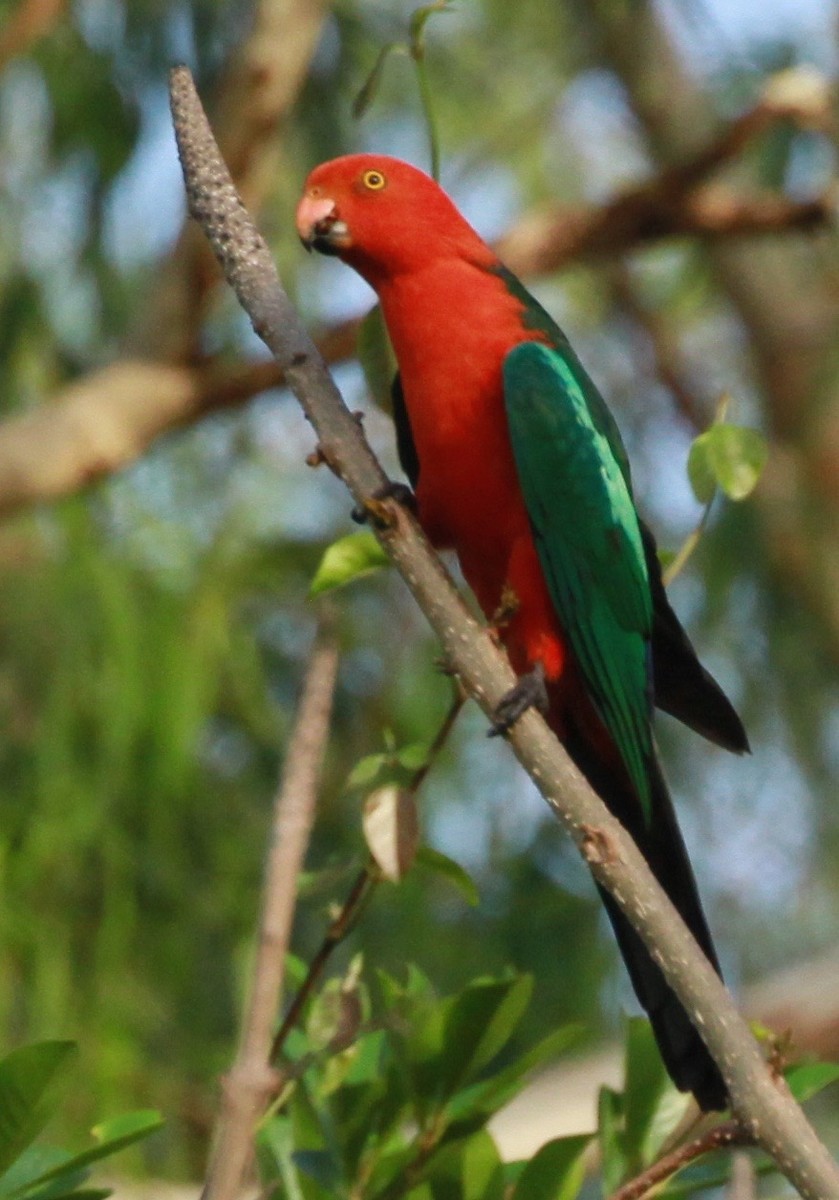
(319,226)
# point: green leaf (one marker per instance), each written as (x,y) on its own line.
(441,864)
(349,558)
(556,1172)
(27,1098)
(375,353)
(275,1156)
(808,1079)
(483,1174)
(112,1135)
(31,1165)
(666,1117)
(469,1169)
(422,1051)
(366,1065)
(118,1132)
(478,1024)
(417,990)
(322,1166)
(366,770)
(366,93)
(730,457)
(701,473)
(325,1016)
(91,1193)
(609,1127)
(486,1097)
(413,756)
(646,1084)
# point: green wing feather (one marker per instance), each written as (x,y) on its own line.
(576,488)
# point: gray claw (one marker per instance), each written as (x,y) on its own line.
(529,692)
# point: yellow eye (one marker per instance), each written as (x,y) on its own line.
(374,180)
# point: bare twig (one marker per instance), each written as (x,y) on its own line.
(252,1080)
(761,1102)
(729,1133)
(360,892)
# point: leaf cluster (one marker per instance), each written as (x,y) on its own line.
(390,1091)
(30,1081)
(403,1108)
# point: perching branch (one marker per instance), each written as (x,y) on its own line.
(252,1079)
(761,1103)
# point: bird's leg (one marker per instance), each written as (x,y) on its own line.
(369,510)
(529,692)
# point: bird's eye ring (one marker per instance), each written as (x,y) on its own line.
(374,180)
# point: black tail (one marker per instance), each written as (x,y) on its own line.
(684,1053)
(681,685)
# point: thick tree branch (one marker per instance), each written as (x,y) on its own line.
(106,420)
(544,242)
(252,1080)
(761,1103)
(679,201)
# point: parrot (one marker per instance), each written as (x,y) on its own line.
(516,463)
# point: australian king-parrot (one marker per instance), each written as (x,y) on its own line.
(518,466)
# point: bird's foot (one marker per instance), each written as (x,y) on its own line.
(373,510)
(530,692)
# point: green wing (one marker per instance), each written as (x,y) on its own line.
(586,530)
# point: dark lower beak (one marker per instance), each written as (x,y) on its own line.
(323,241)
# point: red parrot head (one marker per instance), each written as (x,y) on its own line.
(381,215)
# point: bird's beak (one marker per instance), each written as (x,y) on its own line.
(319,226)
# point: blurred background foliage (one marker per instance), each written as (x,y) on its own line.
(153,625)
